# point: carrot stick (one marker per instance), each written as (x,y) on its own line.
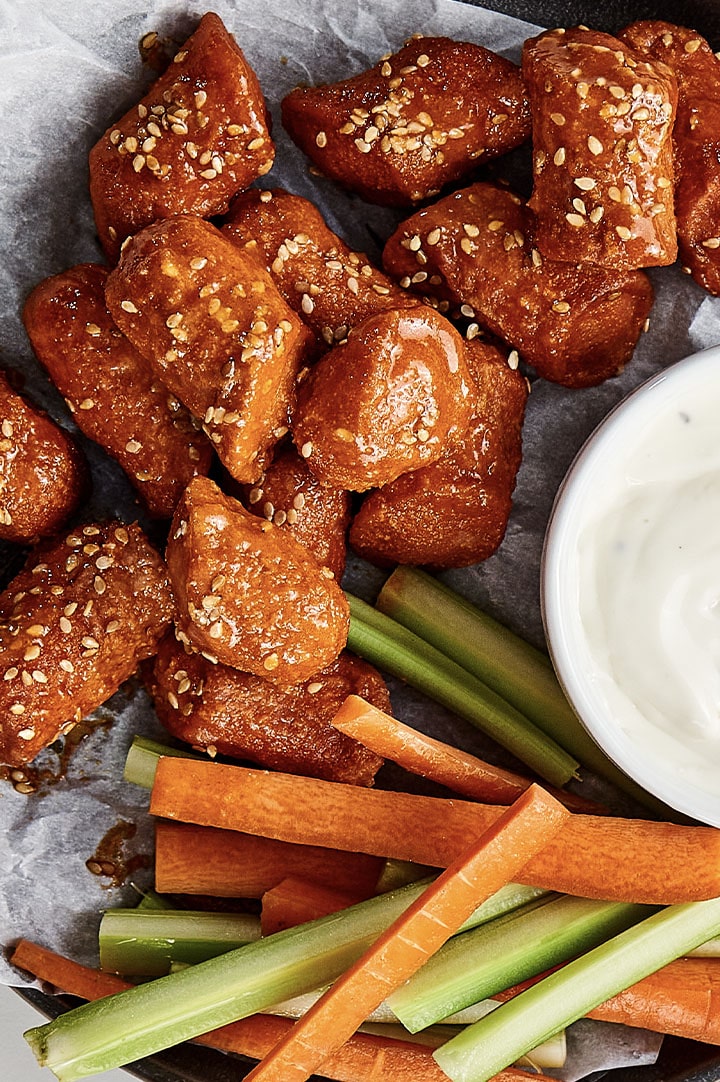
(222,863)
(296,901)
(421,754)
(507,845)
(630,860)
(365,1057)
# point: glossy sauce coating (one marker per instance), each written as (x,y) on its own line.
(454,512)
(384,402)
(289,495)
(420,118)
(248,594)
(198,137)
(216,331)
(112,391)
(43,474)
(696,137)
(329,286)
(602,150)
(223,711)
(577,325)
(74,624)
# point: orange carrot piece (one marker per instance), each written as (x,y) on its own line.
(421,754)
(520,832)
(296,901)
(365,1057)
(630,860)
(193,859)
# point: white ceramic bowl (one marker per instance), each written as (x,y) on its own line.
(681,771)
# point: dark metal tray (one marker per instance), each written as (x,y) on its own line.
(679,1060)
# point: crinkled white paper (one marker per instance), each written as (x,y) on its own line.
(69,68)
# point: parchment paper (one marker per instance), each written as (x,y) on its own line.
(67,70)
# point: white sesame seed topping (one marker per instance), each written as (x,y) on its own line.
(594,145)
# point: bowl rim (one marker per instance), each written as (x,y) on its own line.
(562,528)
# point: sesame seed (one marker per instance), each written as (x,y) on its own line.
(271,662)
(596,214)
(561,306)
(31,653)
(39,677)
(641,114)
(433,237)
(594,145)
(513,359)
(579,206)
(557,118)
(17,708)
(615,194)
(495,225)
(711,242)
(693,45)
(133,446)
(255,144)
(128,306)
(576,220)
(471,230)
(66,666)
(559,156)
(307,304)
(208,174)
(321,139)
(623,232)
(585,184)
(26,734)
(306,449)
(35,629)
(466,245)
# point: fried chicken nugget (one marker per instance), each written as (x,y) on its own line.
(397,133)
(696,139)
(577,325)
(216,331)
(383,402)
(113,393)
(74,624)
(602,150)
(329,286)
(454,512)
(221,710)
(289,495)
(200,135)
(248,594)
(43,473)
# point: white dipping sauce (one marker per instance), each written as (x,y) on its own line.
(632,586)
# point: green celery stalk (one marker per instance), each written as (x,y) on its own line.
(392,647)
(513,668)
(118,1029)
(488,1046)
(145,942)
(142,759)
(495,956)
(150,899)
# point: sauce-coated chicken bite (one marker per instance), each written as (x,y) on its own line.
(577,325)
(74,624)
(222,710)
(290,496)
(199,136)
(329,286)
(602,150)
(217,332)
(384,402)
(112,391)
(43,474)
(248,594)
(416,121)
(454,512)
(696,137)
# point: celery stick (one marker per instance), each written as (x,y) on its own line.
(396,873)
(486,1047)
(150,899)
(495,956)
(550,1054)
(129,1025)
(144,943)
(142,759)
(513,668)
(392,647)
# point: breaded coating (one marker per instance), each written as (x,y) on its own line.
(577,325)
(248,594)
(420,118)
(454,512)
(696,138)
(602,150)
(384,402)
(74,624)
(114,394)
(200,135)
(222,710)
(329,286)
(289,495)
(217,332)
(43,473)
